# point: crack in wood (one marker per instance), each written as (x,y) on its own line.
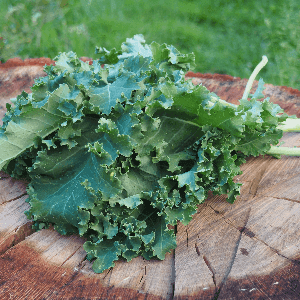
(210,269)
(216,211)
(209,266)
(197,249)
(249,233)
(244,229)
(4,175)
(142,288)
(233,256)
(109,272)
(241,229)
(79,266)
(187,238)
(20,234)
(287,199)
(255,183)
(16,198)
(278,253)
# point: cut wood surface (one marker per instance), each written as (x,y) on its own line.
(246,250)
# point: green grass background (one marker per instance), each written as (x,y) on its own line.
(227,37)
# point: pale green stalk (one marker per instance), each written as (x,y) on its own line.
(284,151)
(253,75)
(290,125)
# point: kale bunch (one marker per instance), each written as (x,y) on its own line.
(117,150)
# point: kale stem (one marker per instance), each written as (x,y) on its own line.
(284,151)
(253,75)
(290,125)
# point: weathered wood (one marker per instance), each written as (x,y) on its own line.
(245,250)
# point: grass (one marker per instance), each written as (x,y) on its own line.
(227,37)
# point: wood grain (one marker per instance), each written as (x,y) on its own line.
(245,250)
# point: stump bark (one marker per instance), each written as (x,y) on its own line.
(246,250)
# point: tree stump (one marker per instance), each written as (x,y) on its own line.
(246,250)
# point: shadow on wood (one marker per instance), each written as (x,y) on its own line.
(245,250)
